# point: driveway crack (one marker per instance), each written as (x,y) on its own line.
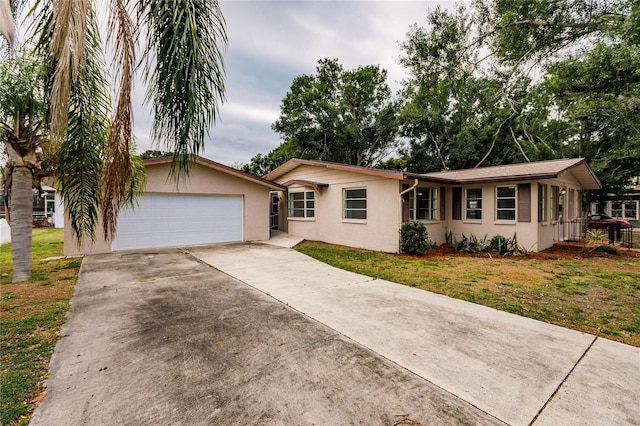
(535,418)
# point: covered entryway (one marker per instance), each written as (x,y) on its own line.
(171,220)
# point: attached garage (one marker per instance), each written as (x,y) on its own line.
(215,204)
(167,220)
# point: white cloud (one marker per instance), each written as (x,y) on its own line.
(254,113)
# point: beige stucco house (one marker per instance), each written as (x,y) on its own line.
(214,204)
(365,207)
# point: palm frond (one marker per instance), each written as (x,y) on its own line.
(118,170)
(80,156)
(67,44)
(184,72)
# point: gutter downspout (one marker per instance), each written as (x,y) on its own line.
(415,183)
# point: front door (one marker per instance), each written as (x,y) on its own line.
(275,200)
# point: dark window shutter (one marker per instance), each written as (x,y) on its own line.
(540,203)
(524,202)
(457,204)
(443,192)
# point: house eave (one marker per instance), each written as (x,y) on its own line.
(307,183)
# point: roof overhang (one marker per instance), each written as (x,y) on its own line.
(577,167)
(307,183)
(295,163)
(221,168)
(550,169)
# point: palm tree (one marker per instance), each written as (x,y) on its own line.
(21,125)
(184,73)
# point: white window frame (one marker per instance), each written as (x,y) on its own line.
(622,211)
(467,204)
(346,208)
(499,209)
(308,204)
(432,204)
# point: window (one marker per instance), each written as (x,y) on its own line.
(625,209)
(422,204)
(302,204)
(506,203)
(630,210)
(355,203)
(474,203)
(542,202)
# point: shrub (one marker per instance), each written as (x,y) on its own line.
(472,244)
(414,237)
(499,244)
(606,249)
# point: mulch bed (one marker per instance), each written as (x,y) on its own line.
(558,251)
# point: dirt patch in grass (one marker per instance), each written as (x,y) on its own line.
(588,291)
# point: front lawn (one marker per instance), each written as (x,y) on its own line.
(594,294)
(31,314)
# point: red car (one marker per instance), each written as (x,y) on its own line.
(601,221)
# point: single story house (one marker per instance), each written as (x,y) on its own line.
(365,207)
(214,204)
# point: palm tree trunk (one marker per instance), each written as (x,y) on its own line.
(21,222)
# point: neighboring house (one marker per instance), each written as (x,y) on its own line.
(365,207)
(625,205)
(46,203)
(52,206)
(214,204)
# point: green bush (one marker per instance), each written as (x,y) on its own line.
(414,237)
(499,244)
(472,244)
(606,249)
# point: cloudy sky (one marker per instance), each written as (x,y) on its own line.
(272,42)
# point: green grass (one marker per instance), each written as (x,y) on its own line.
(597,295)
(31,315)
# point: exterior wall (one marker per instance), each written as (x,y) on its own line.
(378,232)
(201,180)
(99,246)
(533,235)
(526,232)
(436,229)
(386,211)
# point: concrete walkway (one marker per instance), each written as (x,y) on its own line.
(518,370)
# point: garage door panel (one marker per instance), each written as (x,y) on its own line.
(168,220)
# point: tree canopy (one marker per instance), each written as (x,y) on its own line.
(523,80)
(346,116)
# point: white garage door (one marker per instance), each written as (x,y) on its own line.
(168,220)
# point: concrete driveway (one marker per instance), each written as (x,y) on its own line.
(519,370)
(163,339)
(274,337)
